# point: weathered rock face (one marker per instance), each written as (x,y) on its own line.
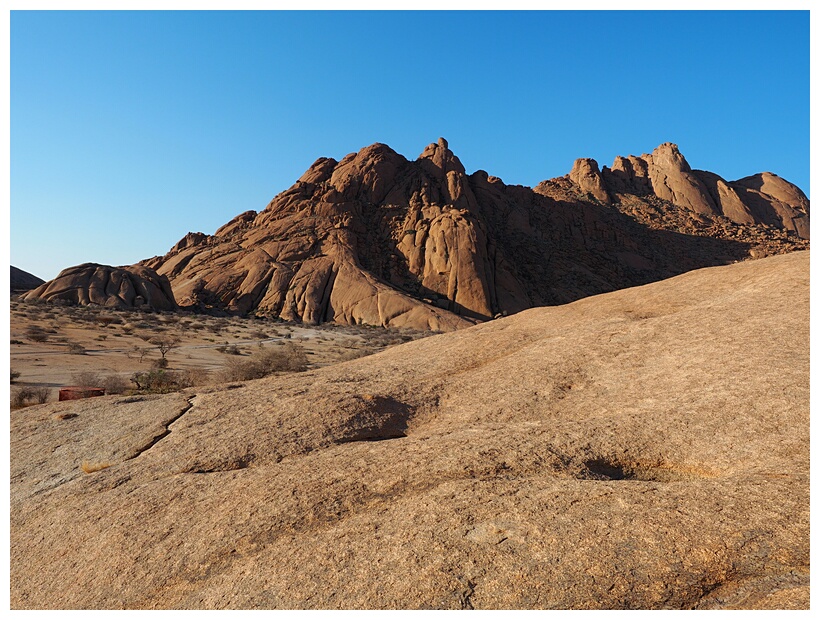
(587,177)
(377,239)
(648,448)
(114,287)
(23,280)
(761,199)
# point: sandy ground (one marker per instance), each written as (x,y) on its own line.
(117,342)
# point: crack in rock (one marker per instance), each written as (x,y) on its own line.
(155,440)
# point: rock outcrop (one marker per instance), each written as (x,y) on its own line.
(377,239)
(132,286)
(647,448)
(23,280)
(588,178)
(762,199)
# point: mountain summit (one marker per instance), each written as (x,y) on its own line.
(381,240)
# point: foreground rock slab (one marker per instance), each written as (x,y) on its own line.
(647,448)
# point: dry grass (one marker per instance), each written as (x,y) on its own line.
(89,467)
(36,334)
(76,349)
(87,378)
(290,357)
(29,395)
(192,355)
(352,354)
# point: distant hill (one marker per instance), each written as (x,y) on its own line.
(23,280)
(381,240)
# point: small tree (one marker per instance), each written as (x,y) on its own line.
(164,345)
(138,352)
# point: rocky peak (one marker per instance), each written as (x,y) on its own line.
(320,171)
(772,185)
(23,281)
(442,159)
(668,157)
(189,240)
(586,175)
(367,175)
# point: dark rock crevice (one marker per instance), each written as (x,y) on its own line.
(162,435)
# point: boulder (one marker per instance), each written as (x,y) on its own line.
(113,287)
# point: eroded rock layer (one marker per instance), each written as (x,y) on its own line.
(132,286)
(648,448)
(377,239)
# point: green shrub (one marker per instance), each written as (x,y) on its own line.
(156,380)
(163,381)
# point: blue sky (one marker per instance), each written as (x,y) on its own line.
(129,129)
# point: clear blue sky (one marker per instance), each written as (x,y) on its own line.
(129,129)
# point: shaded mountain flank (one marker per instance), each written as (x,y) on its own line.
(381,240)
(643,449)
(23,280)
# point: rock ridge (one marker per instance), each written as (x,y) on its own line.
(374,238)
(379,239)
(763,198)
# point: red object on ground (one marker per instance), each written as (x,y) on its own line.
(77,392)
